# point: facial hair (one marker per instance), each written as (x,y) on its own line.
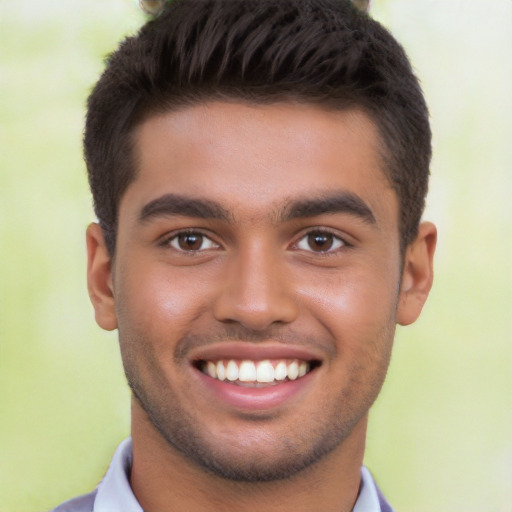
(299,448)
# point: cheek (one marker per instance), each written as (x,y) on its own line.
(354,306)
(159,304)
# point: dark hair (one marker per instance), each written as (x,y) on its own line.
(323,52)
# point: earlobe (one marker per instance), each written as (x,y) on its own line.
(417,274)
(99,278)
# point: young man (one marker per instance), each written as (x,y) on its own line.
(259,170)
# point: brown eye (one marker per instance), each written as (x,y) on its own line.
(189,242)
(320,241)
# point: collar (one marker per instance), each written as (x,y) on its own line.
(114,493)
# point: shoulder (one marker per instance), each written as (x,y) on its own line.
(84,503)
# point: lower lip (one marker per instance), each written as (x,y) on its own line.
(255,399)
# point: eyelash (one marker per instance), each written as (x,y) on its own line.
(168,241)
(338,242)
(341,243)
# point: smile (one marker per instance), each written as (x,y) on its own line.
(255,377)
(254,373)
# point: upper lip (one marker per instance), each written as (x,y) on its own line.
(242,350)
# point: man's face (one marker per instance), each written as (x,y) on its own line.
(260,241)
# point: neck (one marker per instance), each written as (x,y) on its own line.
(163,479)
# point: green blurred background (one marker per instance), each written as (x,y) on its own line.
(441,433)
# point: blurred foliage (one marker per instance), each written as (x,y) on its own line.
(440,434)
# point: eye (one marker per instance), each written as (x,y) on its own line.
(191,241)
(320,241)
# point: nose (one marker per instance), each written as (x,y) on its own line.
(257,291)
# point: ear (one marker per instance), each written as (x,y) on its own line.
(99,278)
(417,274)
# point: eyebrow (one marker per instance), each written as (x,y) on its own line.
(173,204)
(339,202)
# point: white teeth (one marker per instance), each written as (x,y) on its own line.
(247,372)
(211,370)
(221,371)
(262,372)
(293,370)
(232,371)
(281,371)
(265,372)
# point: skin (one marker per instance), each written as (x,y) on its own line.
(255,277)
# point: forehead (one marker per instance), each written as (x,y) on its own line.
(255,158)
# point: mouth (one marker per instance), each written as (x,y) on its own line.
(253,373)
(254,377)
